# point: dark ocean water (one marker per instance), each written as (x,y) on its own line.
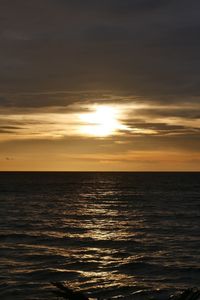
(109,234)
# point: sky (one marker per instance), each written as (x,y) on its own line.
(99,85)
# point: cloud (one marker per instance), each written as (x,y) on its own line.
(149,48)
(59,58)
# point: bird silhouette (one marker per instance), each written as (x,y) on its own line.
(67,293)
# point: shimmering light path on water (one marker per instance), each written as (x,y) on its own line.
(109,234)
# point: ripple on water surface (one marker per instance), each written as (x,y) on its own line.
(109,234)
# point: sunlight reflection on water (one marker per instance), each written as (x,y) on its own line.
(106,232)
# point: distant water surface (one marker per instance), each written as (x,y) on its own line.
(109,234)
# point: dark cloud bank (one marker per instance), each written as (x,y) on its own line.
(143,47)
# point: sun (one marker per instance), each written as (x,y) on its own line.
(101,122)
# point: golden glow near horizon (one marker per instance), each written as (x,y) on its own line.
(102,122)
(91,136)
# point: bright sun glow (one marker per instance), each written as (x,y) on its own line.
(102,122)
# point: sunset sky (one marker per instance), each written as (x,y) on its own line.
(100,85)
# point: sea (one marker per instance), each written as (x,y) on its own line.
(120,235)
